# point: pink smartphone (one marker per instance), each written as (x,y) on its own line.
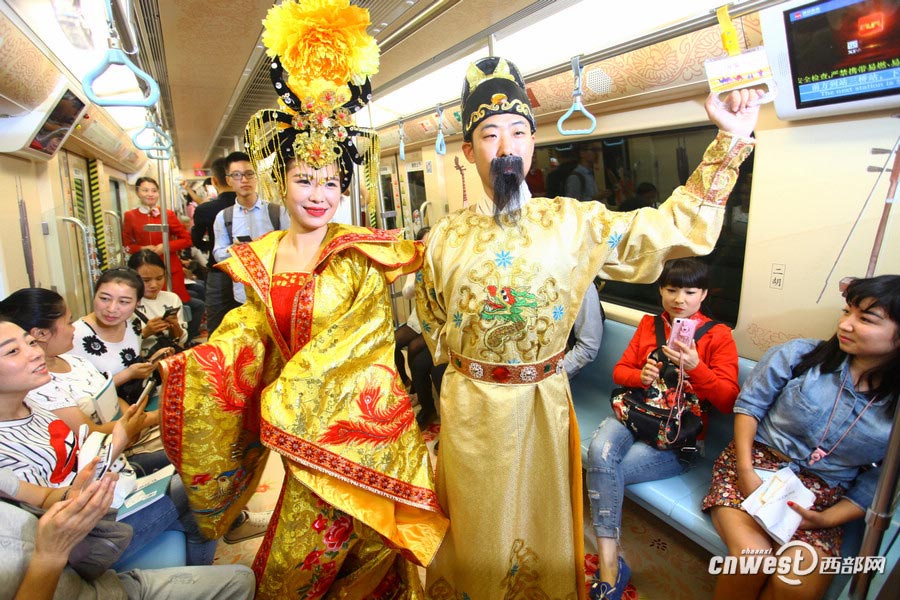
(683,331)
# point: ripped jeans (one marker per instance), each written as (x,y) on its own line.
(617,459)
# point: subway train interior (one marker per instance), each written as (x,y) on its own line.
(96,94)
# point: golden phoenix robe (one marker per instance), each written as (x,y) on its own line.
(305,368)
(498,304)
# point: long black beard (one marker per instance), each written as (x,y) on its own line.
(507,175)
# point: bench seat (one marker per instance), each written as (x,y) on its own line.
(676,500)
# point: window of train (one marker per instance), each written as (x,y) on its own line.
(642,170)
(387,199)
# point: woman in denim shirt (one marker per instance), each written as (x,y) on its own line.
(826,409)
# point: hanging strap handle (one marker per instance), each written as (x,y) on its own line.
(440,146)
(576,105)
(402,141)
(729,34)
(115,56)
(161,141)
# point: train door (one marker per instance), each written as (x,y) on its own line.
(24,231)
(112,221)
(415,179)
(79,259)
(391,218)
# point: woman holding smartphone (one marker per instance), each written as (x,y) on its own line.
(161,313)
(110,336)
(77,392)
(41,449)
(616,458)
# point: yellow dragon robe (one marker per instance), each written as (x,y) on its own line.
(304,368)
(498,304)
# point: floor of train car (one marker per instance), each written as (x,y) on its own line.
(665,564)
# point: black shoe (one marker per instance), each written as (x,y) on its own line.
(425,417)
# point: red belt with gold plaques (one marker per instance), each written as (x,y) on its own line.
(518,374)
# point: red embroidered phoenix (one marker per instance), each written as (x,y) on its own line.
(379,425)
(232,385)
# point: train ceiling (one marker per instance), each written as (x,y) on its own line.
(213,74)
(211,66)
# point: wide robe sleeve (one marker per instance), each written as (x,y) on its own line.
(210,415)
(633,246)
(329,399)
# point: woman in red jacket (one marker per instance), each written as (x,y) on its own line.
(616,458)
(135,238)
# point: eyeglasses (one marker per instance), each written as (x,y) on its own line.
(237,175)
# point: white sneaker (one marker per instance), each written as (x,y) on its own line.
(254,524)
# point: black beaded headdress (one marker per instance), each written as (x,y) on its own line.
(317,97)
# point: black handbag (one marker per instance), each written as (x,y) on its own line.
(663,415)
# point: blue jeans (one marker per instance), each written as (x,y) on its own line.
(617,459)
(170,512)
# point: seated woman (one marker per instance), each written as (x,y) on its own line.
(825,408)
(42,450)
(77,392)
(160,312)
(616,458)
(109,337)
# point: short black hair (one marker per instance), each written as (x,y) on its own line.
(219,168)
(33,307)
(685,273)
(146,257)
(235,157)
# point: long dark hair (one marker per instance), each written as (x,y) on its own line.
(121,275)
(146,257)
(883,380)
(33,307)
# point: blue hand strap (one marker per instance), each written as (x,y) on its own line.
(576,105)
(115,56)
(439,145)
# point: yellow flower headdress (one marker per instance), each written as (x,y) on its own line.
(322,59)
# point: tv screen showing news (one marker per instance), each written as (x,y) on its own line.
(844,50)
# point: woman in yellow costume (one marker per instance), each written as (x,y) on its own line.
(305,367)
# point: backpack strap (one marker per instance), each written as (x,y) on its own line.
(704,328)
(228,216)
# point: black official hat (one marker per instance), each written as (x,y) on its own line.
(493,86)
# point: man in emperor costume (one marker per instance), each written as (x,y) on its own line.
(501,286)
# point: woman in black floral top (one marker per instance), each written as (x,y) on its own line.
(110,336)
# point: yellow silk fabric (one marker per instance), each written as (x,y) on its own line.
(509,466)
(326,397)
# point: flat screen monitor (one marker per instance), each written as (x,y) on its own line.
(832,57)
(58,125)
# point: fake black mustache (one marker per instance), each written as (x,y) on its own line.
(507,175)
